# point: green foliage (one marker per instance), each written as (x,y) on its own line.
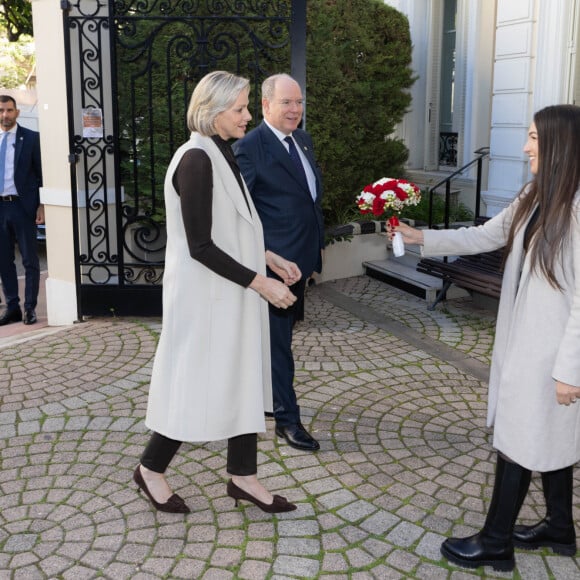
(16,61)
(16,18)
(159,62)
(458,212)
(358,73)
(358,76)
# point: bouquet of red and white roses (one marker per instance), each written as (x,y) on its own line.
(389,194)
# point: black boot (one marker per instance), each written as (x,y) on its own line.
(556,530)
(493,545)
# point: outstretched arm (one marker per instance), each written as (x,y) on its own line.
(410,235)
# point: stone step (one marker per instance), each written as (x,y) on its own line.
(404,277)
(402,273)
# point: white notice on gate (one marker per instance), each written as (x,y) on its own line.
(92,123)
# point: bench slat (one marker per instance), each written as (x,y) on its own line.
(480,272)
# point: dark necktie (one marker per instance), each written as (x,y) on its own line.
(3,159)
(296,158)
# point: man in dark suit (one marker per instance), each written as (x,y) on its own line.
(20,211)
(278,165)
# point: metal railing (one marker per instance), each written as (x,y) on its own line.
(481,153)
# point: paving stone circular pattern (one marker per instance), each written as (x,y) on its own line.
(405,461)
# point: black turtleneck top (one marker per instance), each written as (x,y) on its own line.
(193,182)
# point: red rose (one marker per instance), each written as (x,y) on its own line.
(378,205)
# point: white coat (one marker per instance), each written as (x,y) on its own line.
(537,342)
(211,375)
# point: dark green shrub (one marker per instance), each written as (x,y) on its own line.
(358,76)
(458,212)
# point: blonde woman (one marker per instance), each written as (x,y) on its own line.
(211,376)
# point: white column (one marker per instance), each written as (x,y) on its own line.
(511,100)
(479,19)
(555,30)
(412,128)
(55,194)
(531,68)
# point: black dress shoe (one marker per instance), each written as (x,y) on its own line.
(14,315)
(30,316)
(297,437)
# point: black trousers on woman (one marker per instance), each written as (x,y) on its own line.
(242,454)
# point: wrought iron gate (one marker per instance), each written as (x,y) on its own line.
(131,66)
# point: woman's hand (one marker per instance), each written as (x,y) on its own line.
(566,394)
(410,235)
(274,291)
(288,271)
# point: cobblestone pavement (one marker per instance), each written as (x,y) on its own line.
(395,394)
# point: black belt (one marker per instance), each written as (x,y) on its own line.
(8,197)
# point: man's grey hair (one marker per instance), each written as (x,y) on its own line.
(269,85)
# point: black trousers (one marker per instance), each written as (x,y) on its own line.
(286,408)
(242,453)
(17,226)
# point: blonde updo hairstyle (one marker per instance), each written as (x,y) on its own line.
(215,93)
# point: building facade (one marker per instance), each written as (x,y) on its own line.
(483,68)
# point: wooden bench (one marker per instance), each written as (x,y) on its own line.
(479,273)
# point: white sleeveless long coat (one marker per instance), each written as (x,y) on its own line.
(211,376)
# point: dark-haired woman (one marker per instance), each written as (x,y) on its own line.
(535,373)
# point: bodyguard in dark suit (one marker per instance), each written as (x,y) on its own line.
(20,211)
(278,165)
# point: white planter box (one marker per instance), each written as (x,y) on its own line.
(345,258)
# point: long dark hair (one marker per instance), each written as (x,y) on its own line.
(552,189)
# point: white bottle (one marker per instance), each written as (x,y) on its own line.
(398,245)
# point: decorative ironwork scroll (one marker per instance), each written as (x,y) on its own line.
(134,64)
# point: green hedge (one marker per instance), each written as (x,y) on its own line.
(358,76)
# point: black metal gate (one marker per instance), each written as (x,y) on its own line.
(131,67)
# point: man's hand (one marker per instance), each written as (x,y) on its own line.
(288,271)
(40,215)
